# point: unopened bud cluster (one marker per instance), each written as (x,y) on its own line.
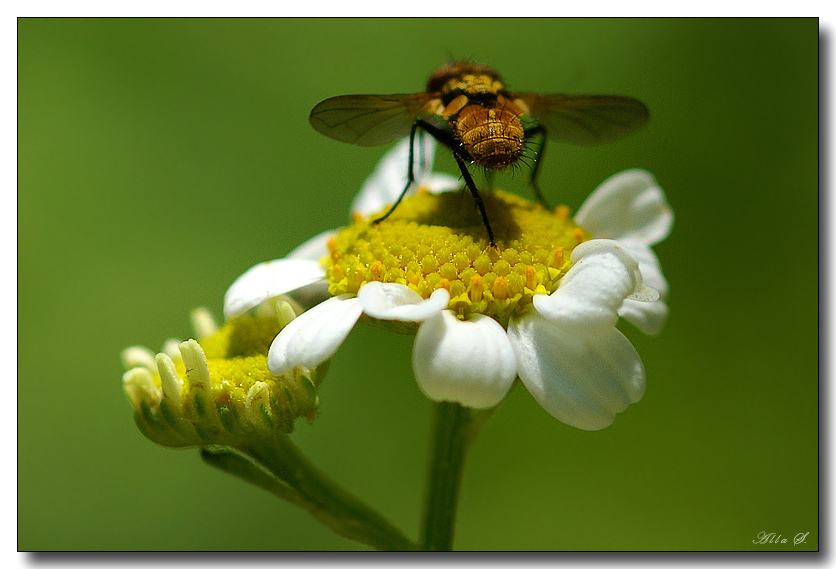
(217,390)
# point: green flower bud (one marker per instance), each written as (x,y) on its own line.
(217,390)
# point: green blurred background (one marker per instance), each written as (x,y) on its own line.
(159,159)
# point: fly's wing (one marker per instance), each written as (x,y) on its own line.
(587,119)
(371,120)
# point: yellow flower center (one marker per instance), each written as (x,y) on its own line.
(435,241)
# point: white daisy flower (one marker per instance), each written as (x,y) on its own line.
(541,306)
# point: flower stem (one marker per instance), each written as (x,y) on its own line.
(280,468)
(452,435)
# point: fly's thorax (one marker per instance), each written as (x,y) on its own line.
(473,86)
(492,135)
(436,241)
(465,77)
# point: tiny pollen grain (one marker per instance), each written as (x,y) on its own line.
(437,241)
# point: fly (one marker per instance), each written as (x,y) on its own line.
(467,108)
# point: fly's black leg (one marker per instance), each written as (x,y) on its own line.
(410,172)
(447,140)
(540,131)
(476,197)
(443,137)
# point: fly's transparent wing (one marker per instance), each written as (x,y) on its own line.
(586,119)
(370,120)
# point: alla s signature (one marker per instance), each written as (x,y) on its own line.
(765,538)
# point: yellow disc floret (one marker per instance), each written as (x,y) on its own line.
(436,241)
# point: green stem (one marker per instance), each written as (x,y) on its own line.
(452,435)
(280,468)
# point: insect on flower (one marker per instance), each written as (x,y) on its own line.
(468,109)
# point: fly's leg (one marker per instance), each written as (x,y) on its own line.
(540,131)
(411,171)
(476,197)
(447,140)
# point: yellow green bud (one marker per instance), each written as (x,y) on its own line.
(217,390)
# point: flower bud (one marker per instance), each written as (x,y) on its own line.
(217,390)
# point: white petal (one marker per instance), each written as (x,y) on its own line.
(627,205)
(393,301)
(314,336)
(314,248)
(468,362)
(311,295)
(649,317)
(644,294)
(269,279)
(581,380)
(649,266)
(440,183)
(389,179)
(589,296)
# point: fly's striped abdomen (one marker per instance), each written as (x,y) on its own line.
(493,136)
